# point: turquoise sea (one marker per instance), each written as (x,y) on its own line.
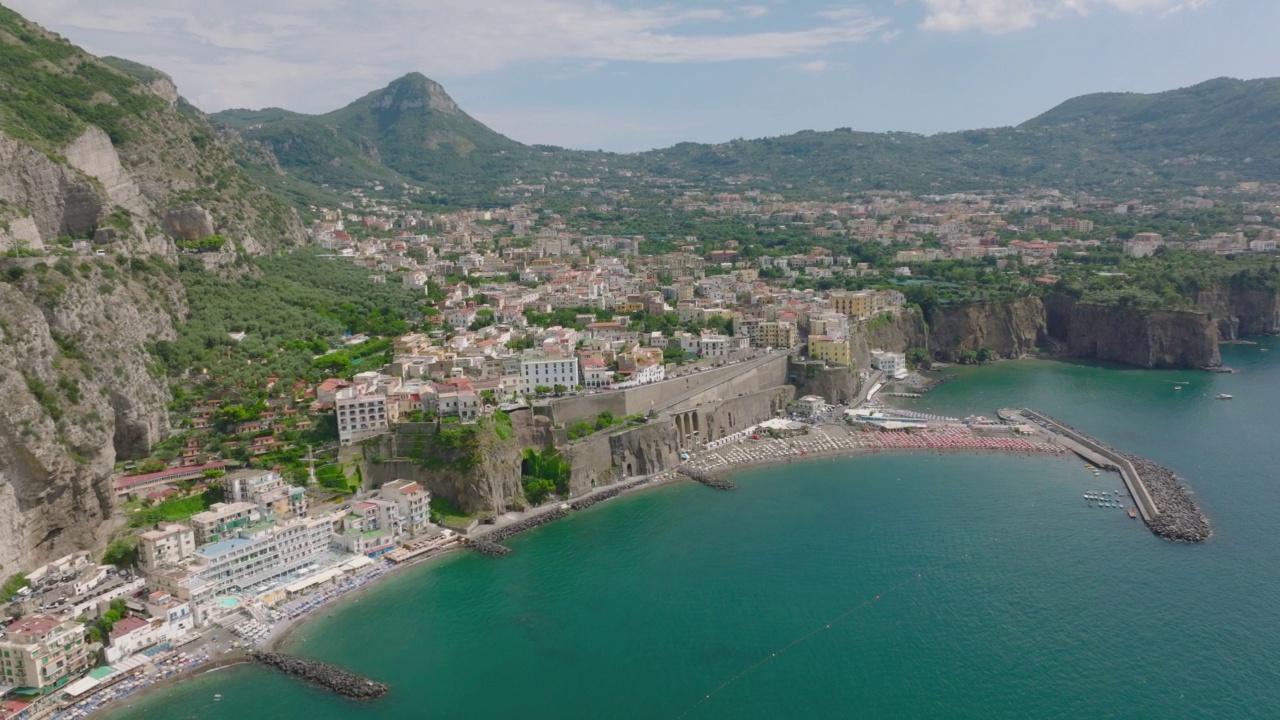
(891,586)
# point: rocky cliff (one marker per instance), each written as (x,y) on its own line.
(1145,338)
(1241,311)
(473,466)
(80,391)
(95,156)
(1010,329)
(896,333)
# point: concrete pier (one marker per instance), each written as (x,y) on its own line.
(1162,501)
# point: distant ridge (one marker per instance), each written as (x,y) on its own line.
(1222,130)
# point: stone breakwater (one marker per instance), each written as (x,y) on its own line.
(612,492)
(1177,516)
(348,685)
(1180,518)
(488,544)
(706,478)
(490,549)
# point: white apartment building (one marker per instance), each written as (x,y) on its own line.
(891,364)
(222,519)
(268,490)
(713,346)
(595,374)
(412,499)
(465,404)
(360,414)
(262,552)
(548,371)
(166,546)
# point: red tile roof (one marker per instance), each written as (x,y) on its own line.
(126,625)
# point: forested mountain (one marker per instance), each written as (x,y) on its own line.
(408,132)
(1220,130)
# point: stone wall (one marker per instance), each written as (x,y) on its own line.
(836,385)
(682,392)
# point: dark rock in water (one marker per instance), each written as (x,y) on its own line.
(707,479)
(330,678)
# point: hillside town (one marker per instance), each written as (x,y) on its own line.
(234,527)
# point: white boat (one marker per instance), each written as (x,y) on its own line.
(1177,387)
(1222,396)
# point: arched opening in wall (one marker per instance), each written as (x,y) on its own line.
(524,467)
(731,425)
(629,470)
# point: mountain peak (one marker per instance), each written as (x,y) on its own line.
(414,91)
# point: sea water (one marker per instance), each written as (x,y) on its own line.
(887,586)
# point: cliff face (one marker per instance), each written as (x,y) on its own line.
(835,384)
(1011,329)
(79,392)
(1151,339)
(128,172)
(1238,312)
(893,333)
(479,472)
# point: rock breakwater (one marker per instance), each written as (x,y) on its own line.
(1180,518)
(1177,516)
(707,479)
(348,685)
(490,549)
(612,492)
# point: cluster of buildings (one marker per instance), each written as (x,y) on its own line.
(263,543)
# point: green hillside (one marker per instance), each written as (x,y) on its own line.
(411,131)
(408,132)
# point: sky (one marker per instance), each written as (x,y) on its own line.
(629,75)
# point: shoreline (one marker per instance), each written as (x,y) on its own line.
(284,634)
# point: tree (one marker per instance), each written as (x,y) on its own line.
(560,389)
(542,390)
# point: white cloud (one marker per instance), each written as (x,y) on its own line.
(246,53)
(815,66)
(1002,16)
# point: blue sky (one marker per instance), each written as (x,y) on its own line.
(635,74)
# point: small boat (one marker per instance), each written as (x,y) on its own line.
(1133,513)
(1177,387)
(1222,396)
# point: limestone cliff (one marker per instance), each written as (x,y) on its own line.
(95,157)
(1011,329)
(102,151)
(475,467)
(1238,312)
(835,384)
(896,333)
(80,391)
(1145,338)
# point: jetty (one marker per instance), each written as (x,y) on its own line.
(334,679)
(706,478)
(1161,499)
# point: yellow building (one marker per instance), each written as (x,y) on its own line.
(830,351)
(860,304)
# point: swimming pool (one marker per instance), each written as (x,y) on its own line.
(228,602)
